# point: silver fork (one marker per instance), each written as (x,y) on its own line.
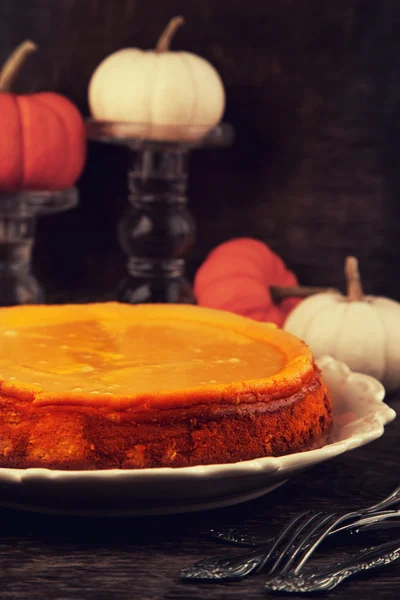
(238,537)
(328,578)
(217,568)
(297,531)
(283,578)
(302,551)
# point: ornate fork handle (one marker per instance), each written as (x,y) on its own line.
(327,579)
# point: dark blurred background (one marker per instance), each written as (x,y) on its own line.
(313,93)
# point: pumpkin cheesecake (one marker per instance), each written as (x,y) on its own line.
(110,385)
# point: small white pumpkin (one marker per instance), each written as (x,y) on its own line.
(177,95)
(362,331)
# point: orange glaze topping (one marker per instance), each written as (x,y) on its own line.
(145,356)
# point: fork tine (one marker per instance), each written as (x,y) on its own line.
(289,553)
(337,521)
(286,531)
(321,523)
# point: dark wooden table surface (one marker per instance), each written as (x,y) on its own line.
(73,558)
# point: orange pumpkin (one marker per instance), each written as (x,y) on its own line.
(237,275)
(42,139)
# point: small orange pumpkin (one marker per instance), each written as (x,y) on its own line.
(236,276)
(42,139)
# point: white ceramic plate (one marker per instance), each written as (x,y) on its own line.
(359,417)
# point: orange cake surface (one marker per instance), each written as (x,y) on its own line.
(111,385)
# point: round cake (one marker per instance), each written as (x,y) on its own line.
(100,386)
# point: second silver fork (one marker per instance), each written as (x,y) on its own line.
(296,543)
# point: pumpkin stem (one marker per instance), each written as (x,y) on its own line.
(13,64)
(355,291)
(164,42)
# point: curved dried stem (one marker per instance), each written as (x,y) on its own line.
(164,43)
(14,63)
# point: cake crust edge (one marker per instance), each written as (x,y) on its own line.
(88,438)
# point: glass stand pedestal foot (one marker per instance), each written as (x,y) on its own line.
(157,231)
(18,213)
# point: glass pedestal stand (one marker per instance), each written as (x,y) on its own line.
(18,213)
(157,230)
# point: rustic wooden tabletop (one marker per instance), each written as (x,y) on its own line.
(60,558)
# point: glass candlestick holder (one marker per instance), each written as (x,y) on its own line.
(18,213)
(157,230)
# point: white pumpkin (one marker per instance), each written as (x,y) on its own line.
(177,95)
(362,331)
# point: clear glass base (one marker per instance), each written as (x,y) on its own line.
(154,280)
(157,231)
(18,213)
